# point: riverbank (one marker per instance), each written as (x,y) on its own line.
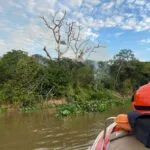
(30,83)
(97,102)
(89,106)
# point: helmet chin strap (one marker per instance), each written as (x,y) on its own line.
(147,108)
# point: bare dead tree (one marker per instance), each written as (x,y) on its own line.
(117,75)
(56,26)
(82,47)
(69,37)
(72,38)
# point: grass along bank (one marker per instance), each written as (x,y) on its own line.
(98,101)
(75,103)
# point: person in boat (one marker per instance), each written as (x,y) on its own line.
(138,121)
(128,129)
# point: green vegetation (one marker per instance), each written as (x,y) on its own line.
(30,81)
(96,101)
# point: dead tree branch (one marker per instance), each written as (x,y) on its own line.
(82,47)
(48,55)
(56,28)
(71,39)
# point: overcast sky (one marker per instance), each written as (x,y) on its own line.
(119,24)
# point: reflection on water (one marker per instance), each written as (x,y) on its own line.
(42,131)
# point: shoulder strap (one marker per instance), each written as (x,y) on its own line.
(132,117)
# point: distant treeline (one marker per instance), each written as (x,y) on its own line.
(27,80)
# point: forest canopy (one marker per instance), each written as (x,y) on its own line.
(27,80)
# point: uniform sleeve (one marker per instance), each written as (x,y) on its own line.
(122,122)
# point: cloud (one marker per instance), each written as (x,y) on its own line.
(148,6)
(69,54)
(77,15)
(1,9)
(62,7)
(15,4)
(87,8)
(132,17)
(111,13)
(119,2)
(73,4)
(2,47)
(140,2)
(100,54)
(2,43)
(21,28)
(51,3)
(118,34)
(31,5)
(4,26)
(145,41)
(130,1)
(93,2)
(108,6)
(29,38)
(114,21)
(130,23)
(90,34)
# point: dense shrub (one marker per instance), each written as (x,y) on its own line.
(98,101)
(87,86)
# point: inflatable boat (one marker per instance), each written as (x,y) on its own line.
(113,138)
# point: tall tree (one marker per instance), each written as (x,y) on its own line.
(70,35)
(121,60)
(82,46)
(56,26)
(8,64)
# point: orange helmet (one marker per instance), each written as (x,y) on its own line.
(141,99)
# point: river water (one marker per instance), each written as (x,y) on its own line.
(43,131)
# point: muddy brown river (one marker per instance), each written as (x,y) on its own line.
(43,131)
